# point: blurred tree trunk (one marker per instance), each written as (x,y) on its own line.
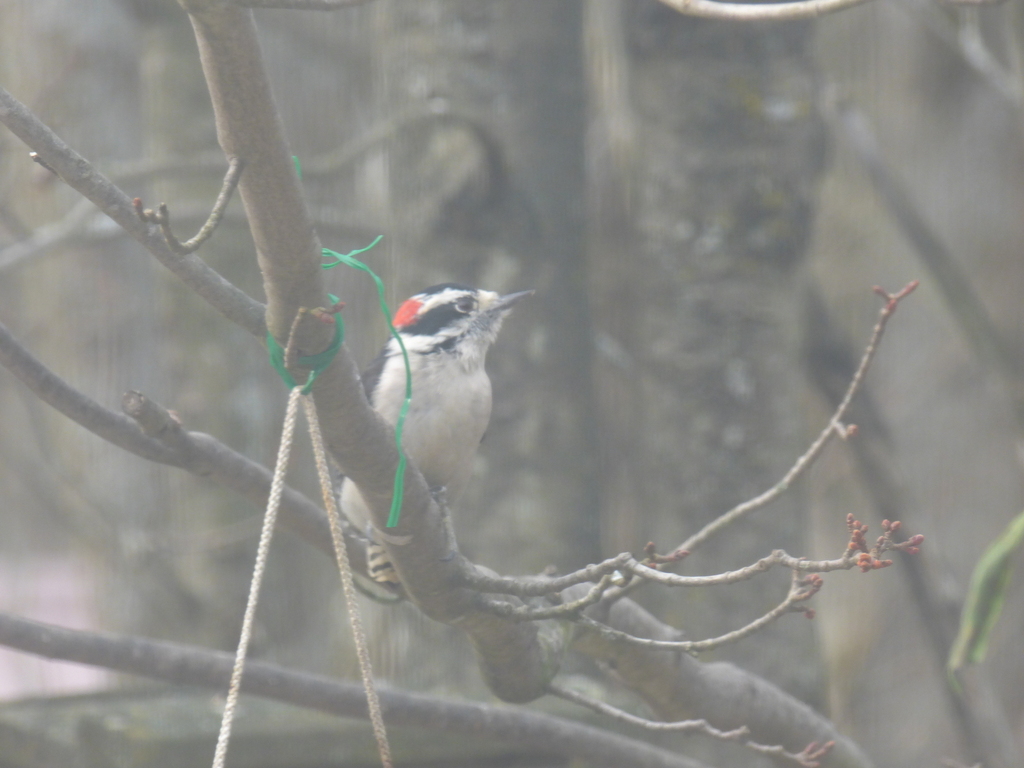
(705,152)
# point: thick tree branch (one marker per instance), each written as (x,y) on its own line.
(171,444)
(231,302)
(186,665)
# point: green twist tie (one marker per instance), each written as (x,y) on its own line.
(316,363)
(349,260)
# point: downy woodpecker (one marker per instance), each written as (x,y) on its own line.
(447,330)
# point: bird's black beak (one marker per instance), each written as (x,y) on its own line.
(504,303)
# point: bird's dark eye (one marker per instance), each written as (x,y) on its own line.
(465,304)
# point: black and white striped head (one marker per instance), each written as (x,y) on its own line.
(453,318)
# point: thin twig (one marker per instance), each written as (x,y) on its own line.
(778,557)
(162,216)
(834,428)
(802,9)
(808,758)
(803,587)
(801,590)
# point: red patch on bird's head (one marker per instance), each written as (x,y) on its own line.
(407,312)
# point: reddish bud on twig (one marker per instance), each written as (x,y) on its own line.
(812,753)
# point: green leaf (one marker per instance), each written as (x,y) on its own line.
(985,598)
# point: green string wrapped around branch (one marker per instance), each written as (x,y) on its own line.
(349,260)
(317,363)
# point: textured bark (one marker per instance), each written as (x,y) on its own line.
(706,153)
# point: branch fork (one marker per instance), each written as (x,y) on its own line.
(162,215)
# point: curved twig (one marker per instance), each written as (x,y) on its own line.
(162,216)
(800,591)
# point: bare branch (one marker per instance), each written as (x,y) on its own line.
(166,442)
(678,686)
(800,9)
(187,665)
(835,427)
(226,298)
(808,758)
(162,216)
(571,609)
(802,589)
(538,586)
(300,5)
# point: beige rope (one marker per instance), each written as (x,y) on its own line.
(331,503)
(273,502)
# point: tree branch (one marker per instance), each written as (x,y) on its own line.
(679,687)
(162,216)
(834,428)
(227,299)
(187,665)
(800,591)
(195,452)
